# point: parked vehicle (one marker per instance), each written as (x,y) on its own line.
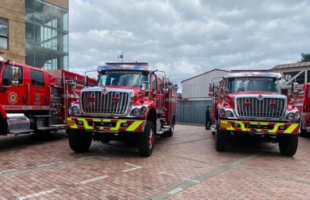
(34,100)
(130,102)
(250,104)
(303,105)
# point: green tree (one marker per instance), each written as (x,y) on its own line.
(305,57)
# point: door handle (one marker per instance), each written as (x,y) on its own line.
(24,98)
(305,107)
(3,89)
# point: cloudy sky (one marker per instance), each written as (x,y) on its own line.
(188,37)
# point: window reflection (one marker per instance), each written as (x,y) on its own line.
(46,35)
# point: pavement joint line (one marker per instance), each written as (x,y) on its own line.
(203,177)
(64,164)
(132,169)
(55,163)
(189,159)
(273,175)
(190,141)
(94,179)
(36,194)
(11,170)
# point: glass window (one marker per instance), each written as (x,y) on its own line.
(4,33)
(7,75)
(46,35)
(37,78)
(243,84)
(123,78)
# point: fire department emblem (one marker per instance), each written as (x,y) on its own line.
(116,98)
(260,97)
(105,91)
(13,98)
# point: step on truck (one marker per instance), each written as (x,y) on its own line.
(130,102)
(250,105)
(34,100)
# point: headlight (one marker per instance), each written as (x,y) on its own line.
(228,113)
(290,116)
(136,112)
(75,110)
(143,110)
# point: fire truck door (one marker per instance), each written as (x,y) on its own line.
(39,88)
(13,88)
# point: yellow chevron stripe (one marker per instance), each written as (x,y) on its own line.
(226,125)
(86,126)
(134,126)
(71,123)
(118,125)
(291,128)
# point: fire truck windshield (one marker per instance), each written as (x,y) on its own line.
(123,78)
(245,84)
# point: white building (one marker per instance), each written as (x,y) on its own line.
(197,87)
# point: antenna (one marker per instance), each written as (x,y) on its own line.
(122,57)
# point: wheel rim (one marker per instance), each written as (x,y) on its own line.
(151,139)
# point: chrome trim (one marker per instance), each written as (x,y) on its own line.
(260,110)
(103,105)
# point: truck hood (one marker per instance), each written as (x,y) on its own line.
(253,93)
(135,90)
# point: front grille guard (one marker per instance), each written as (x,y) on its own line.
(253,113)
(119,112)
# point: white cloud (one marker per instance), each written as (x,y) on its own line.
(186,38)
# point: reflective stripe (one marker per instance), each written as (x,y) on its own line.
(133,125)
(291,128)
(17,107)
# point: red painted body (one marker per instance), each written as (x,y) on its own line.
(37,91)
(303,105)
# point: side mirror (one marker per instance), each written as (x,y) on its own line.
(295,84)
(86,81)
(144,85)
(73,85)
(15,75)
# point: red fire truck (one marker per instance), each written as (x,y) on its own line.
(303,105)
(250,104)
(33,100)
(131,102)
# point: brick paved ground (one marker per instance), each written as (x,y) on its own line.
(185,166)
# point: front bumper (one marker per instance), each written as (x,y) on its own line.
(106,125)
(259,127)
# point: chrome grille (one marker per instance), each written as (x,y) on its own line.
(104,104)
(256,108)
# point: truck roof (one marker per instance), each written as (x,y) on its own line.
(125,66)
(254,74)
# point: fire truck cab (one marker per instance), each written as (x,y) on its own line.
(130,102)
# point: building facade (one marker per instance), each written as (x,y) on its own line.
(197,87)
(35,32)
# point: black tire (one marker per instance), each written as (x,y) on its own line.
(105,139)
(288,144)
(147,140)
(171,131)
(79,140)
(220,140)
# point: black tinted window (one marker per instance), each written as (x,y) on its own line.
(37,78)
